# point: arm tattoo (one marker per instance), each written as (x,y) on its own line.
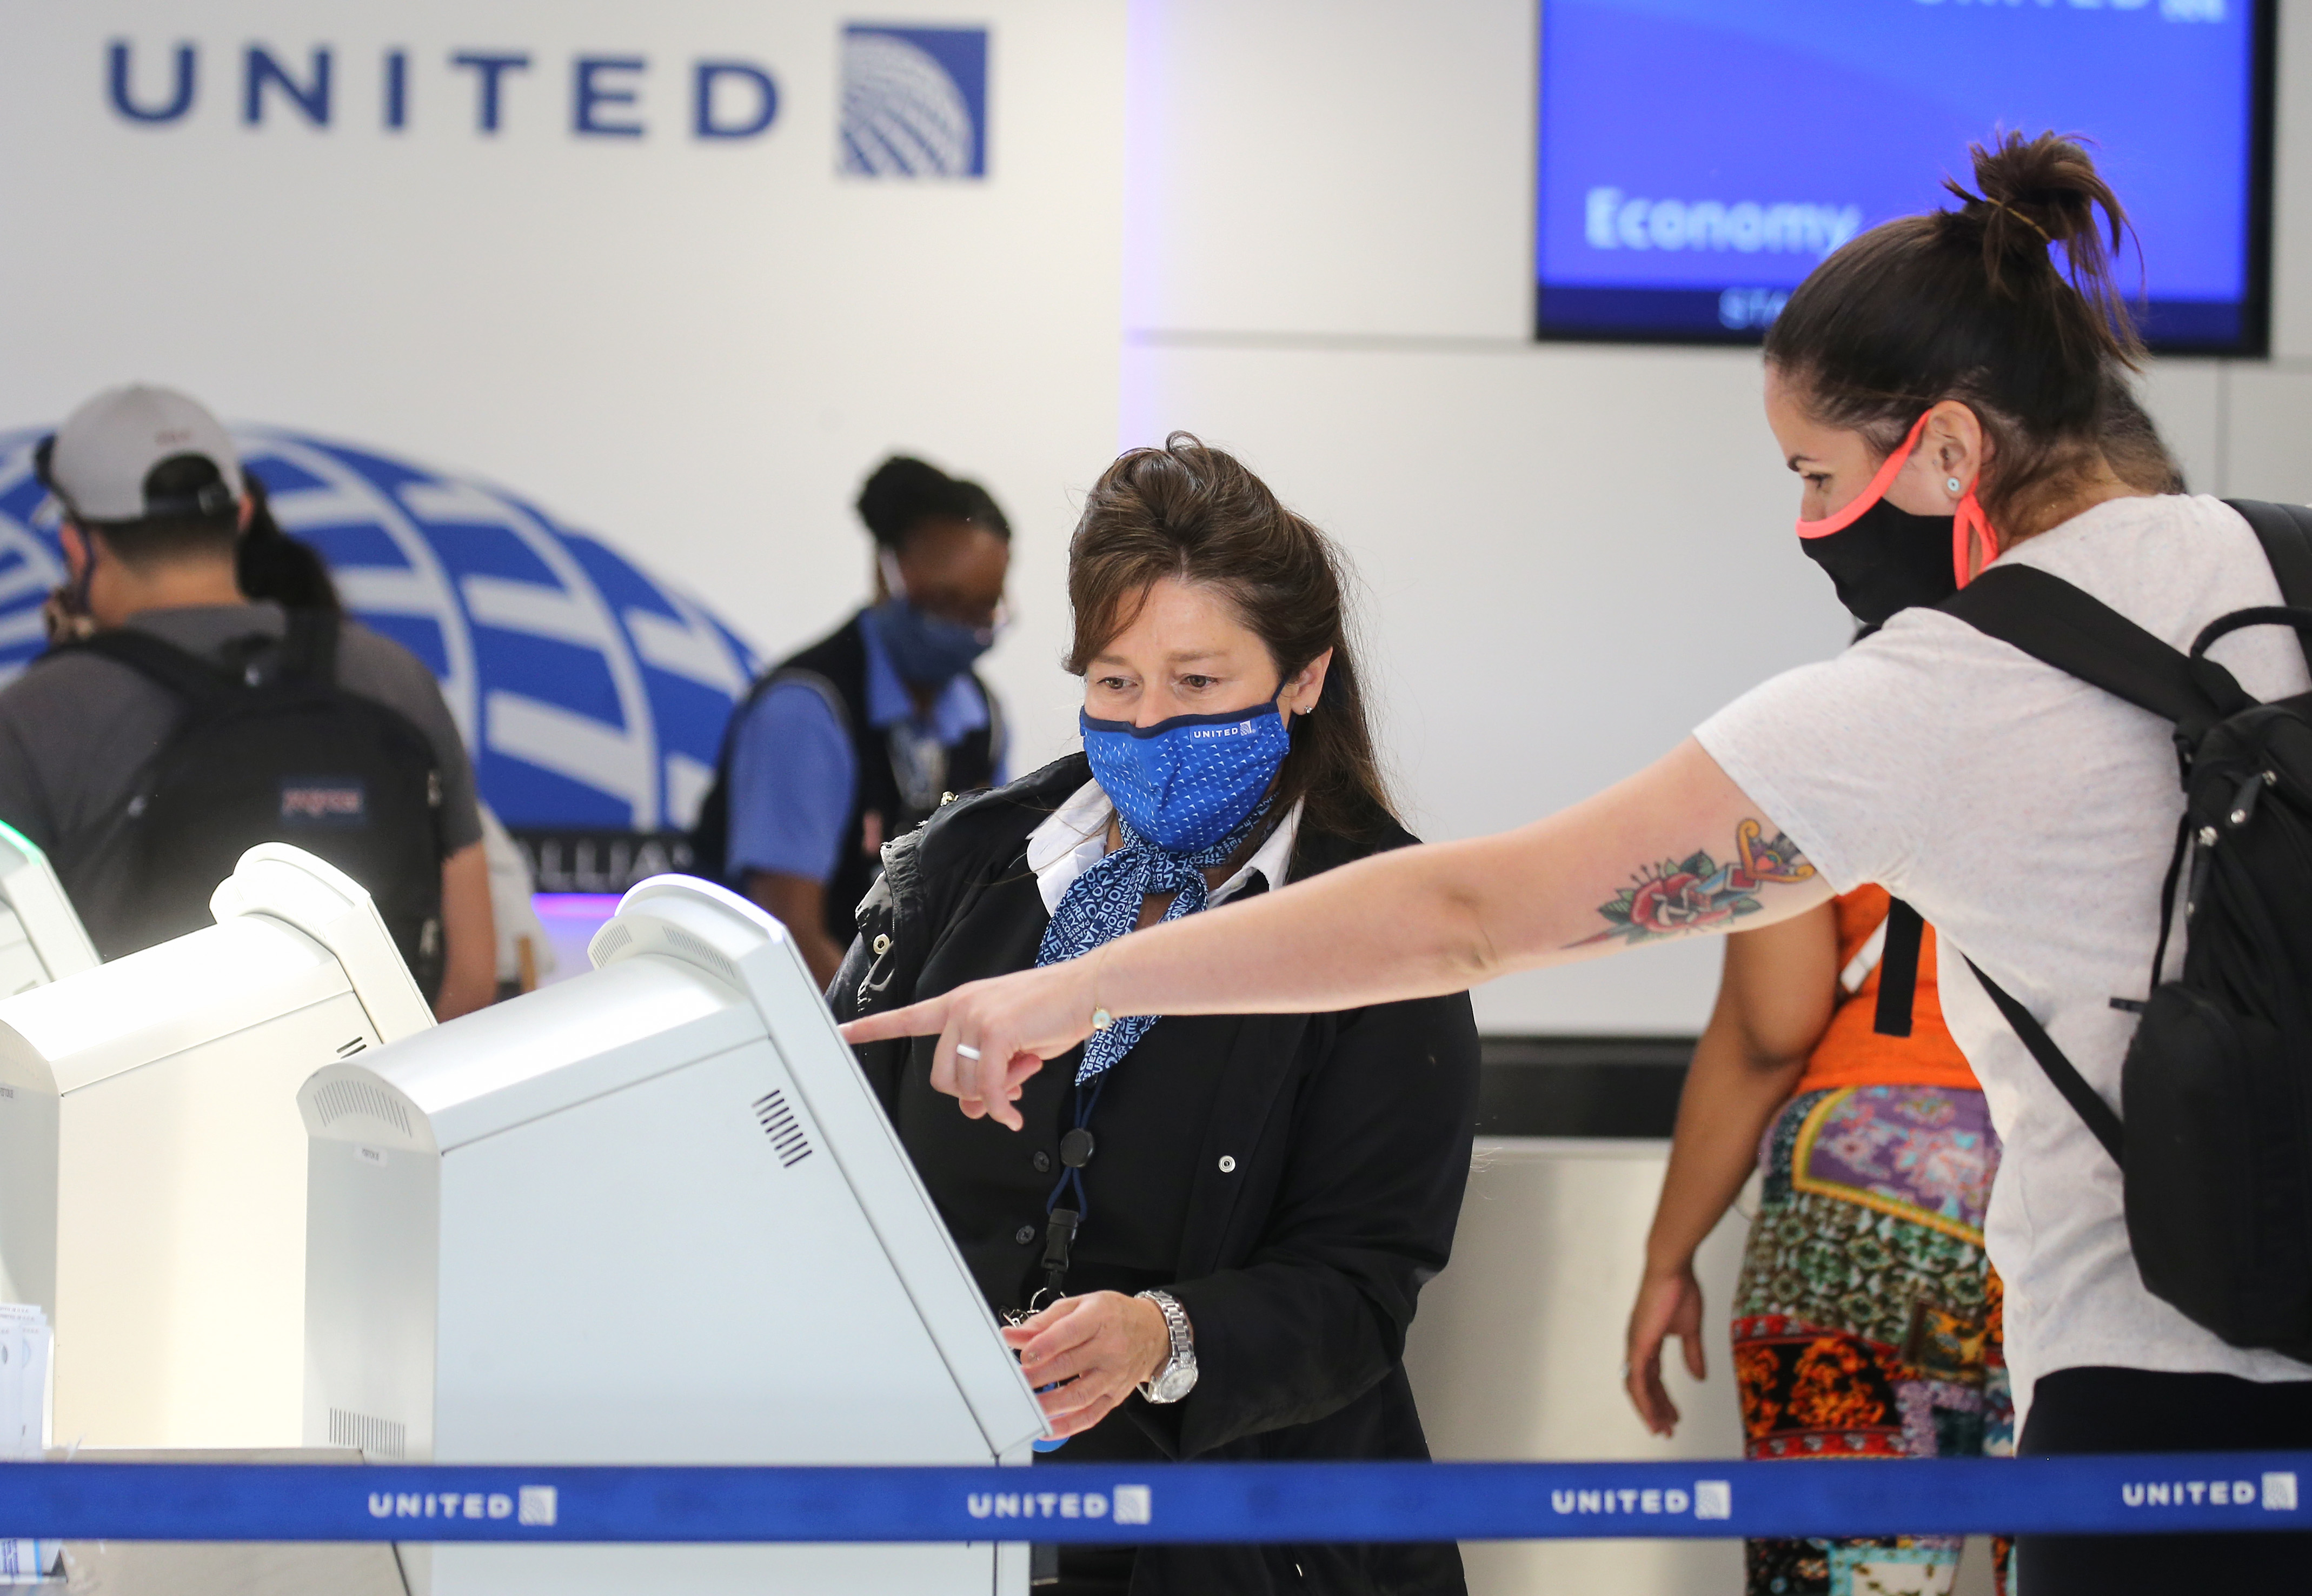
(1697,893)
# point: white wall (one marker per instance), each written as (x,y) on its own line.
(695,350)
(1571,553)
(1512,1357)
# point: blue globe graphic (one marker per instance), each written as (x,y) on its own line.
(591,695)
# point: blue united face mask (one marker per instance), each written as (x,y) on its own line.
(928,650)
(1186,783)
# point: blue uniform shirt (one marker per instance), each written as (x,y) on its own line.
(793,770)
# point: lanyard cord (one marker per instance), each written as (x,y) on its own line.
(1075,1153)
(1071,1173)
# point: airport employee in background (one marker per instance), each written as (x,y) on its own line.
(177,723)
(855,740)
(1937,364)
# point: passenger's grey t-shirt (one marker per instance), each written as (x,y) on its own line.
(2030,818)
(75,731)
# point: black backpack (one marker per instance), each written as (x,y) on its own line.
(2216,1150)
(272,750)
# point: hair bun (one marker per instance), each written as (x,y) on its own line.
(905,492)
(2046,190)
(2035,193)
(902,491)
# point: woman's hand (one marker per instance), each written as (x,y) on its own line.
(993,1035)
(1669,1303)
(1094,1350)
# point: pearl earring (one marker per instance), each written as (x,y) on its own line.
(1952,483)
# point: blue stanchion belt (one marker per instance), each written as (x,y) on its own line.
(1194,1501)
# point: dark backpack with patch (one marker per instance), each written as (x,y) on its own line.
(2216,1146)
(272,750)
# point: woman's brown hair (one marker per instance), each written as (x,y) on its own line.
(1198,514)
(1969,304)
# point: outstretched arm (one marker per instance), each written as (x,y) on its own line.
(1676,850)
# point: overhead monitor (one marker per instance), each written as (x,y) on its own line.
(1699,157)
(41,938)
(180,1186)
(650,1215)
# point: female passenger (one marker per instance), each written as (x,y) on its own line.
(1939,364)
(1866,1318)
(1231,1217)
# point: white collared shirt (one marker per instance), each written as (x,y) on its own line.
(1076,839)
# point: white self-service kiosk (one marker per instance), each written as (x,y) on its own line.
(28,1180)
(41,938)
(650,1215)
(179,1215)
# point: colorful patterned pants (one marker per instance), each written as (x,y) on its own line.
(1867,1318)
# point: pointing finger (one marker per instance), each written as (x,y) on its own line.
(918,1019)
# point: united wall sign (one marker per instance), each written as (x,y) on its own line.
(913,100)
(592,696)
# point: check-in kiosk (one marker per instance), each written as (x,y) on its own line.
(650,1215)
(41,938)
(179,1293)
(28,1182)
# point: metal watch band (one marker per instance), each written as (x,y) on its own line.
(1167,1385)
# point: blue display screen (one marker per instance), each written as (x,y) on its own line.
(1699,157)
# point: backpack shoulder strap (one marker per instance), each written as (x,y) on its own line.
(2057,624)
(190,678)
(308,649)
(1898,969)
(2285,530)
(2085,1100)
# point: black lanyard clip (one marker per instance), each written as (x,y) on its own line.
(1059,1236)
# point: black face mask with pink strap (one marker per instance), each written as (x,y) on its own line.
(1883,558)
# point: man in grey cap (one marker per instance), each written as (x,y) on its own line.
(140,747)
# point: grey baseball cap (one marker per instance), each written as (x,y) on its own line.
(100,462)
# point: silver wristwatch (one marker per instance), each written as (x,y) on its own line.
(1177,1377)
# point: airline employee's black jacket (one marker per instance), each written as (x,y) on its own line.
(1293,1180)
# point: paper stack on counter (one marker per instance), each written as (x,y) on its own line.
(26,1394)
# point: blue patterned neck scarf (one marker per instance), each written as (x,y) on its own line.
(1103,903)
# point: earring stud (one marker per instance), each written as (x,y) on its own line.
(1952,483)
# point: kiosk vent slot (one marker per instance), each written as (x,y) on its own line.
(779,1124)
(376,1437)
(334,1100)
(609,941)
(698,951)
(353,1047)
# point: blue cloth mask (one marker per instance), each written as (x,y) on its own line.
(928,651)
(1186,783)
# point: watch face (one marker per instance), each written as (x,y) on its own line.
(1175,1382)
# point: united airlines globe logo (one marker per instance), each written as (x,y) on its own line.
(592,696)
(915,102)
